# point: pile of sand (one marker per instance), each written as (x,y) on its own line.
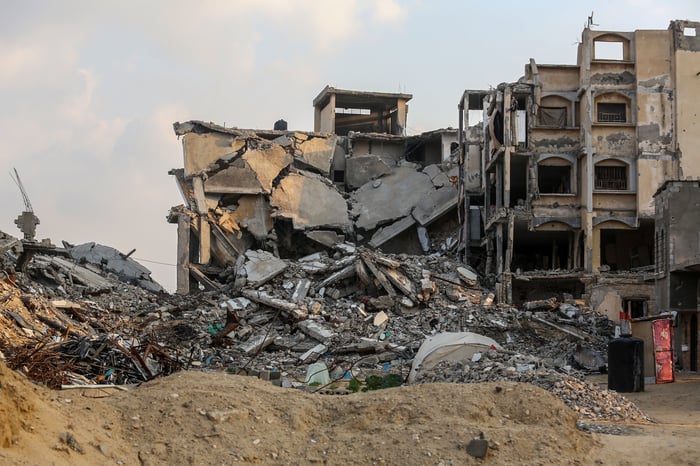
(205,418)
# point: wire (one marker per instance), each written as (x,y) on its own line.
(154,262)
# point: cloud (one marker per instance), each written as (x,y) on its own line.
(389,11)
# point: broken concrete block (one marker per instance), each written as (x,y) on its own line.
(467,276)
(234,180)
(310,202)
(317,154)
(386,233)
(292,309)
(201,150)
(255,215)
(423,238)
(380,319)
(365,168)
(313,353)
(315,257)
(346,272)
(237,304)
(262,266)
(315,330)
(267,164)
(258,342)
(395,198)
(327,238)
(301,290)
(435,204)
(314,267)
(437,176)
(346,248)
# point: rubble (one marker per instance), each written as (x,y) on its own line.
(359,311)
(293,194)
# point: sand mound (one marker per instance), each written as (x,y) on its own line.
(16,404)
(206,418)
(215,418)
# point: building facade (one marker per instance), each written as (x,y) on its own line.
(569,158)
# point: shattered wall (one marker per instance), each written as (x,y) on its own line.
(281,192)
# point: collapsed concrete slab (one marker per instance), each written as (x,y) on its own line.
(317,154)
(255,215)
(112,260)
(211,147)
(267,164)
(363,169)
(310,202)
(376,204)
(437,176)
(435,204)
(262,267)
(327,238)
(234,180)
(386,233)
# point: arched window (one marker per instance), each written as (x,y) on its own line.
(554,176)
(612,175)
(612,107)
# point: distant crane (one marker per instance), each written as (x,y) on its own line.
(26,221)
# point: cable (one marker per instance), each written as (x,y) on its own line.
(154,262)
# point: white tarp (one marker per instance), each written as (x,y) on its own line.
(449,346)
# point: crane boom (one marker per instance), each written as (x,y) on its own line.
(25,197)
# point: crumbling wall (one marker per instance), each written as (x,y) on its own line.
(276,191)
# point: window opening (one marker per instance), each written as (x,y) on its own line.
(611,178)
(554,179)
(612,113)
(605,50)
(635,307)
(552,116)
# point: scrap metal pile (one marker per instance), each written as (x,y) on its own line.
(358,311)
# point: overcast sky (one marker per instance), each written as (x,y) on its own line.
(89,89)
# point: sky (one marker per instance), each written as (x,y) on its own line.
(89,90)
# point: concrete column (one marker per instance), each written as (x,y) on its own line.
(401,114)
(183,254)
(508,144)
(499,249)
(499,184)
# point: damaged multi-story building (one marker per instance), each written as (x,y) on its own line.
(567,159)
(255,195)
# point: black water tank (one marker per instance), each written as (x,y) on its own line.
(626,364)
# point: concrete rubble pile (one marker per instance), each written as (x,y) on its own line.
(588,400)
(295,193)
(360,312)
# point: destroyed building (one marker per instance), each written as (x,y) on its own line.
(566,161)
(357,178)
(677,239)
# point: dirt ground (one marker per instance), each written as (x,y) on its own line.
(217,418)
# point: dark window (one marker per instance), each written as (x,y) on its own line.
(552,116)
(611,178)
(612,113)
(635,307)
(554,179)
(339,176)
